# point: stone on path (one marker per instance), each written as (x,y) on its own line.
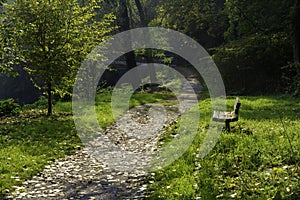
(105,172)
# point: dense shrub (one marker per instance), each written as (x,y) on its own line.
(9,107)
(253,65)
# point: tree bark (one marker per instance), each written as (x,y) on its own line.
(141,13)
(49,89)
(148,52)
(296,22)
(124,26)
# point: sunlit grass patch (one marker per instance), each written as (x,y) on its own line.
(258,159)
(28,144)
(32,140)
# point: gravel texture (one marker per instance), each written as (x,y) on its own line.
(88,175)
(115,171)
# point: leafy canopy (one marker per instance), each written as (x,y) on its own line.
(50,38)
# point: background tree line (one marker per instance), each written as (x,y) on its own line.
(255,43)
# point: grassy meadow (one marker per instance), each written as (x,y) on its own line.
(258,159)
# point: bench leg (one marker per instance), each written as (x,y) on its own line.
(227,126)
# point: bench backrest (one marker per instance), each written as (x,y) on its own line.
(237,106)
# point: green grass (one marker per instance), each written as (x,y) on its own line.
(259,159)
(31,140)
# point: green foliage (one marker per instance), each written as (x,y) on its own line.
(9,107)
(291,78)
(250,47)
(244,18)
(51,38)
(203,20)
(253,64)
(259,159)
(258,45)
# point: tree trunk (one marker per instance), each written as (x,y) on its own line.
(149,57)
(124,26)
(141,13)
(297,31)
(49,88)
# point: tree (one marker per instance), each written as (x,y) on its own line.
(203,20)
(124,23)
(51,39)
(141,13)
(132,14)
(148,53)
(258,45)
(244,20)
(296,29)
(291,72)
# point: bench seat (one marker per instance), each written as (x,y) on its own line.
(227,117)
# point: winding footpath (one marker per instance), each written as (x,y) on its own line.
(90,175)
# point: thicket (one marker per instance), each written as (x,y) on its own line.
(254,65)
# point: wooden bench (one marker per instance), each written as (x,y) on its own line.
(227,117)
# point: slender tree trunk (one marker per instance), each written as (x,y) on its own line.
(49,88)
(141,13)
(125,25)
(297,31)
(149,56)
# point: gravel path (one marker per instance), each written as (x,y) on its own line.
(112,173)
(85,175)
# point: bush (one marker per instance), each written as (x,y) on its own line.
(253,64)
(9,107)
